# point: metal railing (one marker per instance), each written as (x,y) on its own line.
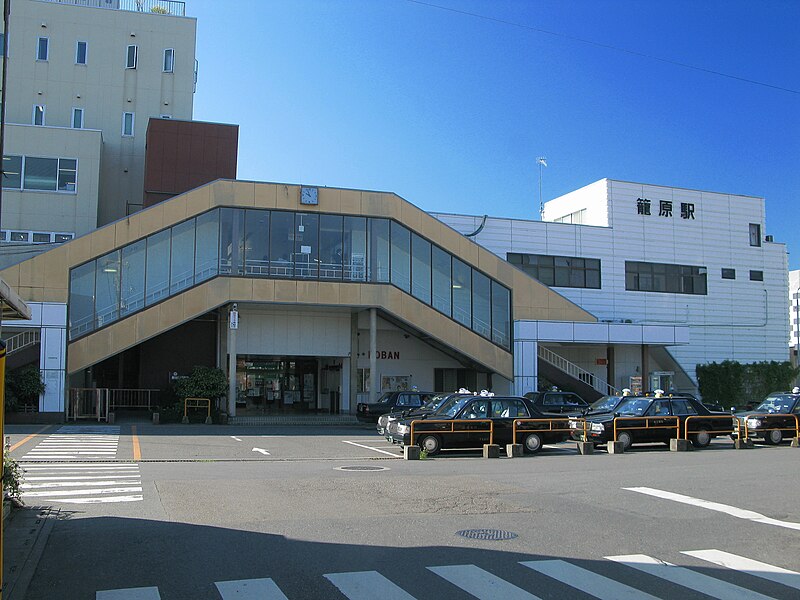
(88,403)
(576,372)
(747,428)
(158,7)
(130,398)
(519,426)
(453,426)
(647,425)
(713,432)
(22,340)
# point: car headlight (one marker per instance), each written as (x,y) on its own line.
(598,427)
(575,425)
(404,429)
(754,423)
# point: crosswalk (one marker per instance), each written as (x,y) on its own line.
(485,585)
(76,465)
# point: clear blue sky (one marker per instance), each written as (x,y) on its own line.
(451,110)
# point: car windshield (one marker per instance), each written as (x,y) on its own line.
(633,406)
(452,406)
(776,404)
(605,404)
(437,402)
(385,398)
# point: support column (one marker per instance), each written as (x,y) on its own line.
(373,355)
(232,364)
(611,371)
(645,368)
(526,367)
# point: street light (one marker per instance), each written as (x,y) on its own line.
(542,162)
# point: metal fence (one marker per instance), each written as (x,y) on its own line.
(160,7)
(88,403)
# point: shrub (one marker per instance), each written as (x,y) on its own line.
(23,386)
(12,477)
(732,383)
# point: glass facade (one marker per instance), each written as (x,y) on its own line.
(285,244)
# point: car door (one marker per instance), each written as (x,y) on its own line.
(661,422)
(504,412)
(684,409)
(472,435)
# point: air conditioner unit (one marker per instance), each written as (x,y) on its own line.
(769,238)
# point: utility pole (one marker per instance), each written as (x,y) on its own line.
(542,162)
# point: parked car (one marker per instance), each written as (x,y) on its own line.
(432,406)
(567,403)
(389,402)
(502,411)
(606,404)
(657,418)
(773,419)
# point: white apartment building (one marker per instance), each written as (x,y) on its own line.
(657,256)
(84,77)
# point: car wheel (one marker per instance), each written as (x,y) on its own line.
(431,444)
(701,439)
(773,437)
(626,438)
(532,443)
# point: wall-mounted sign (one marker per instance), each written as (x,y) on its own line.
(664,208)
(601,361)
(386,355)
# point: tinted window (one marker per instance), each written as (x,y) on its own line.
(478,409)
(660,408)
(683,407)
(508,408)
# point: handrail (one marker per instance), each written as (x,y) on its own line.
(157,7)
(676,427)
(452,423)
(796,428)
(515,428)
(23,340)
(576,372)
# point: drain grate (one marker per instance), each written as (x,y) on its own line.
(362,468)
(487,534)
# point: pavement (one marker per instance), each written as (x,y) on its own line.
(25,532)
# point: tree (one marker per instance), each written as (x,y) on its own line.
(24,386)
(204,382)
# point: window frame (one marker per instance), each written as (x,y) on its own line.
(133,124)
(171,53)
(756,275)
(43,108)
(39,48)
(728,273)
(77,109)
(85,52)
(755,230)
(135,57)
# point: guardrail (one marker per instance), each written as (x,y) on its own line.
(676,426)
(713,433)
(515,429)
(795,429)
(88,403)
(131,398)
(452,429)
(196,403)
(23,340)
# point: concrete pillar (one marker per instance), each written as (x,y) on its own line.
(373,355)
(231,371)
(526,357)
(646,368)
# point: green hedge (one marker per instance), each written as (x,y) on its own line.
(731,383)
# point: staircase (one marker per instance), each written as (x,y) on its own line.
(23,340)
(570,376)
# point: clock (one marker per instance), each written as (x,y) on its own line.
(308,195)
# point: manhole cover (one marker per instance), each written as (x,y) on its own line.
(487,534)
(362,468)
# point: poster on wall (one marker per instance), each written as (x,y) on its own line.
(395,383)
(635,385)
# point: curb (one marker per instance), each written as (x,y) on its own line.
(32,531)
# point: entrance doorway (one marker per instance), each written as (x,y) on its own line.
(276,385)
(662,380)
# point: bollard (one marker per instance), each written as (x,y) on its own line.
(742,444)
(156,418)
(185,419)
(679,445)
(491,451)
(411,452)
(795,443)
(513,450)
(208,420)
(615,447)
(585,447)
(110,419)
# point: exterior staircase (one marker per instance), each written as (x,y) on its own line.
(569,376)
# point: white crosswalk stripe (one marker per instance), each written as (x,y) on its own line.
(484,585)
(73,480)
(710,586)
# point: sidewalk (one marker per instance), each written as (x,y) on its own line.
(25,533)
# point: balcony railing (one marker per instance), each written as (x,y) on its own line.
(158,7)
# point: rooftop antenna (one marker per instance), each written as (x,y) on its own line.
(542,162)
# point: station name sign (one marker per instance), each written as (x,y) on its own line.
(643,207)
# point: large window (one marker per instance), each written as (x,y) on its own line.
(39,173)
(284,244)
(559,271)
(658,277)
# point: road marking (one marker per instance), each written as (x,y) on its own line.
(261,451)
(367,585)
(716,588)
(233,437)
(370,448)
(105,499)
(28,439)
(733,511)
(481,584)
(751,567)
(144,593)
(58,484)
(81,477)
(586,581)
(137,451)
(76,492)
(250,589)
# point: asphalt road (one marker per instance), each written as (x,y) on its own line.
(205,516)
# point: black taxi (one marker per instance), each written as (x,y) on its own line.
(433,405)
(390,402)
(646,419)
(466,421)
(774,419)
